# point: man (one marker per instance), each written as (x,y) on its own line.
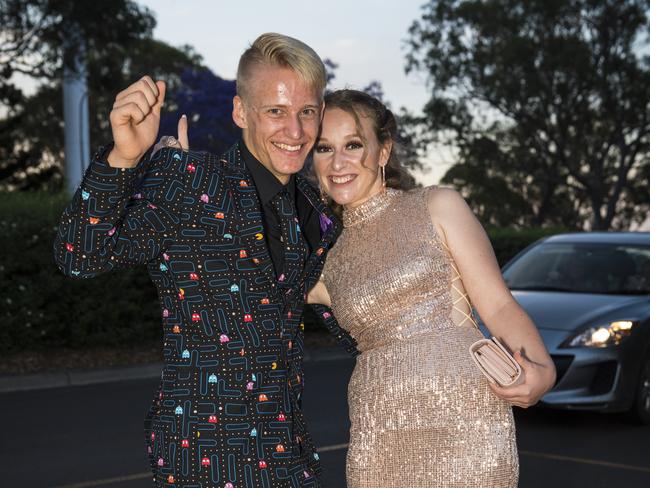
(232,244)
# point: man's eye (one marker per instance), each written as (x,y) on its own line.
(322,148)
(274,111)
(309,112)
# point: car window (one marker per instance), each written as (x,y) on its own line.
(582,268)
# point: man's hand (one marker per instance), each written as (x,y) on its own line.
(183,138)
(182,142)
(135,120)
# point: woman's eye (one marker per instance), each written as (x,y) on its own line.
(354,145)
(321,148)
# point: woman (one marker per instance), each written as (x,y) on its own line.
(401,279)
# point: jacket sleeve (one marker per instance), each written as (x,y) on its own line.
(326,318)
(121,217)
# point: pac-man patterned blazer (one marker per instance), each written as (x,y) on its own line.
(227,414)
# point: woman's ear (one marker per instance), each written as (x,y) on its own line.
(239,112)
(384,153)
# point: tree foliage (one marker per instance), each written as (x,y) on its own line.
(119,49)
(31,134)
(206,99)
(39,36)
(547,102)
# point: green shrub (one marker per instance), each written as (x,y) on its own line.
(42,309)
(508,242)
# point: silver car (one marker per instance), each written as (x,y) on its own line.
(589,295)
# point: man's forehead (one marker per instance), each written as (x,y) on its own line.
(274,85)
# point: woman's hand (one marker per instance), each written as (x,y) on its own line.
(538,379)
(182,141)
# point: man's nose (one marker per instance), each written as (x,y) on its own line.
(294,127)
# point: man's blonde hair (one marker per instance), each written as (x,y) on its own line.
(273,49)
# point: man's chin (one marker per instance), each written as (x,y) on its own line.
(290,167)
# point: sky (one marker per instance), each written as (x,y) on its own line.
(366,38)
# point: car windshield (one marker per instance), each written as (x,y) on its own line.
(582,268)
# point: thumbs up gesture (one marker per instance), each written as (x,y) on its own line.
(135,120)
(183,140)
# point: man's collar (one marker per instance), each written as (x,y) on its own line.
(268,186)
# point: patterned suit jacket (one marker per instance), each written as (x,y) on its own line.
(227,413)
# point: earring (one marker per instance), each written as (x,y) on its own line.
(383,178)
(323,195)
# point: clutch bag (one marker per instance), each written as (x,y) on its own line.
(496,362)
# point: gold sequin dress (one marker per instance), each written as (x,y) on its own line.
(421,413)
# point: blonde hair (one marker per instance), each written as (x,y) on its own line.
(273,49)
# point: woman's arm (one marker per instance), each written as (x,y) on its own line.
(481,276)
(319,299)
(319,294)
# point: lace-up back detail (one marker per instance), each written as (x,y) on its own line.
(459,297)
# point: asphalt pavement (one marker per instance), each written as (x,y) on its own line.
(90,435)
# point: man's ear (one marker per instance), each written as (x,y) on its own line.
(239,112)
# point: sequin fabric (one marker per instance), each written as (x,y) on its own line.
(421,414)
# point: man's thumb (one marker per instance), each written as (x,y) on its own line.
(183,138)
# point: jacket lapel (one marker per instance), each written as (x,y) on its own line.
(252,244)
(249,219)
(330,226)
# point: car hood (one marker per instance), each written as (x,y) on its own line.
(568,311)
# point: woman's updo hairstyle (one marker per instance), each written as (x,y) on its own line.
(358,103)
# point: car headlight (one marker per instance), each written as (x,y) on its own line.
(602,335)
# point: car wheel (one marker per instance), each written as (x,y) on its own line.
(640,411)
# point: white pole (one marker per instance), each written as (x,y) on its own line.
(75,114)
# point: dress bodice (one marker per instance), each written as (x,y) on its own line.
(389,273)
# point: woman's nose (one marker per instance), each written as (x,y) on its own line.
(339,161)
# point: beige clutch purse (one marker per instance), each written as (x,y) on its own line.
(496,362)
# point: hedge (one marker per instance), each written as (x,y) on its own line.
(508,242)
(41,309)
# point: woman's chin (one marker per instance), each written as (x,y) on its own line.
(343,198)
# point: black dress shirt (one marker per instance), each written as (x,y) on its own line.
(268,186)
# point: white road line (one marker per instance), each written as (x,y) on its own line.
(109,481)
(338,447)
(141,476)
(333,447)
(595,462)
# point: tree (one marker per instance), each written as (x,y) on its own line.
(547,103)
(31,134)
(206,99)
(39,36)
